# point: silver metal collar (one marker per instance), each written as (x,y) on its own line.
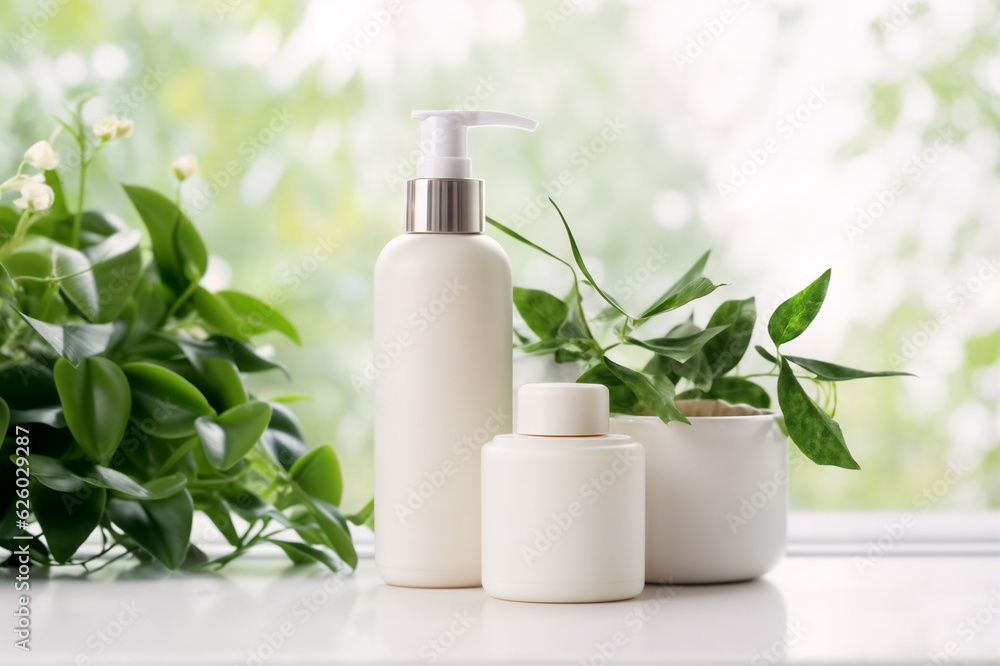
(445,206)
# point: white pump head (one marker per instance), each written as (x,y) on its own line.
(444,149)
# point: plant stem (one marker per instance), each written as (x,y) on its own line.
(20,232)
(181,299)
(105,549)
(175,457)
(81,182)
(263,537)
(43,304)
(244,542)
(128,551)
(214,483)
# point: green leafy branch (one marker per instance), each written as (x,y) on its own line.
(701,361)
(123,390)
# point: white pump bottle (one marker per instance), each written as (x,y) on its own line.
(443,353)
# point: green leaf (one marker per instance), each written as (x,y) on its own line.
(96,401)
(249,506)
(8,221)
(162,527)
(518,237)
(117,272)
(111,479)
(334,528)
(166,486)
(100,281)
(318,473)
(766,355)
(163,402)
(678,347)
(575,327)
(734,390)
(364,515)
(689,287)
(4,418)
(224,382)
(53,474)
(816,434)
(77,280)
(33,258)
(696,370)
(256,316)
(147,309)
(608,313)
(217,314)
(583,267)
(50,416)
(567,354)
(59,209)
(658,398)
(220,346)
(832,372)
(544,346)
(283,438)
(94,229)
(301,553)
(726,350)
(28,384)
(178,250)
(542,312)
(622,399)
(67,519)
(190,249)
(793,316)
(74,342)
(289,398)
(218,513)
(244,356)
(228,437)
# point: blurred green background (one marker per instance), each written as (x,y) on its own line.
(299,115)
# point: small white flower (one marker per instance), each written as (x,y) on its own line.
(184,167)
(35,194)
(105,127)
(41,156)
(122,129)
(17,182)
(111,128)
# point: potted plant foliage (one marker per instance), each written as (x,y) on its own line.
(716,449)
(122,394)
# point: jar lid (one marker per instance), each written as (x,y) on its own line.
(566,410)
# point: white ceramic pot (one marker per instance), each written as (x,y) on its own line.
(716,493)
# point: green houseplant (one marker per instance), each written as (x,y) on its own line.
(689,361)
(122,390)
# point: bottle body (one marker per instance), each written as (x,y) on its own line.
(563,518)
(443,319)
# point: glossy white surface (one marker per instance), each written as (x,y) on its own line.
(808,610)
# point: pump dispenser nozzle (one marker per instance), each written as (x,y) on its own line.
(444,197)
(445,132)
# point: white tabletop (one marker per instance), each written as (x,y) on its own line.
(811,609)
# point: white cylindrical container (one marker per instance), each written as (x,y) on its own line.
(717,492)
(563,502)
(442,365)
